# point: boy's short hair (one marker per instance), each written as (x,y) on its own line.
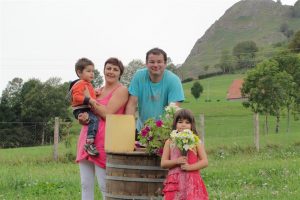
(82,63)
(156,51)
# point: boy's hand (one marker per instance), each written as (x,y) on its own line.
(86,92)
(83,118)
(97,92)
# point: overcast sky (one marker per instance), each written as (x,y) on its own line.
(44,38)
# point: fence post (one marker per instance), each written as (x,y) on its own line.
(55,142)
(43,134)
(256,130)
(202,127)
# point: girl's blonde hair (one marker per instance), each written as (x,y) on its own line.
(187,115)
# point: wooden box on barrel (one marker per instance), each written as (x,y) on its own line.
(129,174)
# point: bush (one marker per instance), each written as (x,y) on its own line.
(203,76)
(15,137)
(187,80)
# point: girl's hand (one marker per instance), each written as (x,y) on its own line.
(181,160)
(185,167)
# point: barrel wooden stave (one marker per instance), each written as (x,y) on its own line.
(134,175)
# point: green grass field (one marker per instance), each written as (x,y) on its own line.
(236,170)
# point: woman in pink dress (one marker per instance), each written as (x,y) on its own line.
(184,181)
(112,99)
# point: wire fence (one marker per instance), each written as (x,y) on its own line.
(215,129)
(240,126)
(239,130)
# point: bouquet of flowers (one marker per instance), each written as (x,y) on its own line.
(184,140)
(155,132)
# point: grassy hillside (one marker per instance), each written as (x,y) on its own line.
(256,20)
(236,170)
(228,122)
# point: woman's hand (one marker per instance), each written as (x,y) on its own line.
(93,103)
(83,118)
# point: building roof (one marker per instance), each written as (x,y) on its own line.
(234,91)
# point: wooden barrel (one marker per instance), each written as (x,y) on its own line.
(134,175)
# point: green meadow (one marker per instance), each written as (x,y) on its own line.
(236,170)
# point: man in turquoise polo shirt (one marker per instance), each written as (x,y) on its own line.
(152,88)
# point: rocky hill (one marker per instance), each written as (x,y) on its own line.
(256,20)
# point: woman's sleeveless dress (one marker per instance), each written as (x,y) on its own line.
(184,185)
(99,139)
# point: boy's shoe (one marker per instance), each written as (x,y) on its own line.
(91,149)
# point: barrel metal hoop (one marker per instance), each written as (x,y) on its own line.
(130,197)
(134,167)
(147,180)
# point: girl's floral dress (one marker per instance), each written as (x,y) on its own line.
(184,185)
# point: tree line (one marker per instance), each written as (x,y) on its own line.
(28,110)
(244,55)
(273,87)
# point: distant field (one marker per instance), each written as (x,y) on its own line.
(236,170)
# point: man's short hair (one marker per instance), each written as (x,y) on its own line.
(156,51)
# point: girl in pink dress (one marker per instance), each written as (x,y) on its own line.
(111,100)
(184,181)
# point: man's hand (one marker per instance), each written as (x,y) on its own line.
(131,105)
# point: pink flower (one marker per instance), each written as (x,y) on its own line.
(147,128)
(137,144)
(149,138)
(159,152)
(145,131)
(159,123)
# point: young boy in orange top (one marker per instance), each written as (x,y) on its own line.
(84,69)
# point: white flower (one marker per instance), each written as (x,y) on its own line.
(187,131)
(185,139)
(172,107)
(186,147)
(172,104)
(173,134)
